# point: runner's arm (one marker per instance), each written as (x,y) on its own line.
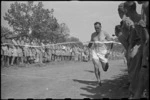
(108,38)
(90,44)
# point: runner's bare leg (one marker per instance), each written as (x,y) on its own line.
(96,69)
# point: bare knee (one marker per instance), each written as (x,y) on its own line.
(96,62)
(96,65)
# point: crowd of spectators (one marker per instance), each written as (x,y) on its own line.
(24,50)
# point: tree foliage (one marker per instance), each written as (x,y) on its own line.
(5,31)
(18,17)
(73,39)
(30,19)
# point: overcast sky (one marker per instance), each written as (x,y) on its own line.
(80,15)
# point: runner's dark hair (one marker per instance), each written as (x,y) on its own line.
(97,23)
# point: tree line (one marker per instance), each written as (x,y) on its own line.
(30,19)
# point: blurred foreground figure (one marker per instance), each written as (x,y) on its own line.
(136,37)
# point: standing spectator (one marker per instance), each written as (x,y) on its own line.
(20,50)
(49,52)
(25,49)
(15,51)
(5,48)
(143,30)
(2,51)
(27,43)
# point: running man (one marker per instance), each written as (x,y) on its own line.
(99,51)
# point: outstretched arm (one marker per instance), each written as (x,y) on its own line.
(108,38)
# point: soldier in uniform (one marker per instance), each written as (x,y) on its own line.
(142,29)
(14,51)
(3,51)
(40,52)
(129,18)
(21,50)
(5,48)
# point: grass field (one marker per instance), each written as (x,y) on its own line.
(63,80)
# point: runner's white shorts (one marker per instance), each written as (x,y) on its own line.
(100,55)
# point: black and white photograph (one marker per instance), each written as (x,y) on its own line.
(74,49)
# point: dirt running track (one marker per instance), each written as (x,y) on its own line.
(63,80)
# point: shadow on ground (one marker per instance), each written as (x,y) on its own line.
(112,89)
(89,71)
